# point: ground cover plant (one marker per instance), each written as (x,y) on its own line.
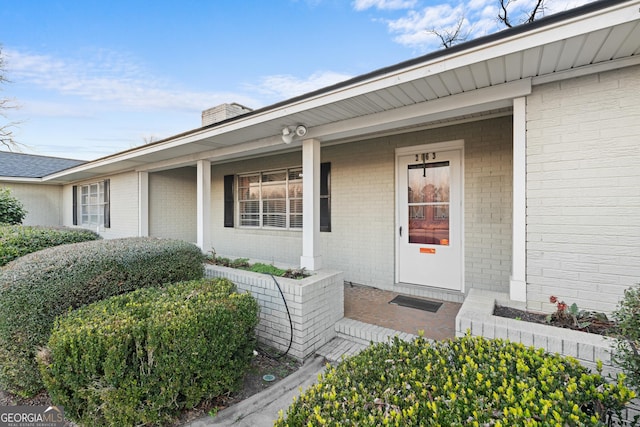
(258,267)
(37,287)
(141,357)
(19,240)
(467,381)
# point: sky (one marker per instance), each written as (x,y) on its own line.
(94,77)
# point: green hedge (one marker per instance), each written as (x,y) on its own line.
(37,287)
(467,381)
(627,336)
(139,358)
(18,240)
(12,210)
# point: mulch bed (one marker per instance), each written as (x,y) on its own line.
(253,383)
(595,326)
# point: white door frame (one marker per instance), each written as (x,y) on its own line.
(457,144)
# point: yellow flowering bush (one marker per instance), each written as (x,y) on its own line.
(468,381)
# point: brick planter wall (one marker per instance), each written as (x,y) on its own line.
(315,303)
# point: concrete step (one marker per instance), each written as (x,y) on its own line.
(365,333)
(354,336)
(338,348)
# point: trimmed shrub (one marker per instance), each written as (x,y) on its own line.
(19,240)
(627,334)
(37,287)
(12,210)
(138,358)
(466,381)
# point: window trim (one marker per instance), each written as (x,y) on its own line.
(231,200)
(261,214)
(104,205)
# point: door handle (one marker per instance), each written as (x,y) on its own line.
(400,231)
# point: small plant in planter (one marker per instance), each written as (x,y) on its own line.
(243,264)
(571,316)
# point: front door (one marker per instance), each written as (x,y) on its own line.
(430,219)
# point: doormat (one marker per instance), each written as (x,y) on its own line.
(418,303)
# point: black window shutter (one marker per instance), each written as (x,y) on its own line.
(107,204)
(228,200)
(325,196)
(74,196)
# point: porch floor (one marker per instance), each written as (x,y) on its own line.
(370,305)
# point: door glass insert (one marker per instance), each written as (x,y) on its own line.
(429,203)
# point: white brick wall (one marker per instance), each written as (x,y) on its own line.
(172,204)
(583,185)
(315,304)
(488,204)
(42,202)
(124,205)
(362,238)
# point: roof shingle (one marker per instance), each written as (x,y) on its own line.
(21,165)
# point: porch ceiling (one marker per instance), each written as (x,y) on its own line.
(439,87)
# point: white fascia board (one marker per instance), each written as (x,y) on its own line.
(222,153)
(601,67)
(19,180)
(578,25)
(130,164)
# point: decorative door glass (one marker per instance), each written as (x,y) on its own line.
(429,203)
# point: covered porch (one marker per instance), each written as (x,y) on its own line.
(375,307)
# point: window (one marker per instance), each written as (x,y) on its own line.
(93,208)
(271,199)
(325,197)
(274,199)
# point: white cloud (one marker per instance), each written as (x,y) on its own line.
(384,4)
(109,78)
(481,18)
(284,86)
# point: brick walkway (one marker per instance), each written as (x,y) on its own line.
(370,305)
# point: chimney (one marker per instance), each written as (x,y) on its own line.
(223,112)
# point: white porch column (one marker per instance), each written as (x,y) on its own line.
(518,283)
(203,205)
(143,204)
(311,259)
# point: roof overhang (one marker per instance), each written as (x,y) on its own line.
(468,80)
(20,180)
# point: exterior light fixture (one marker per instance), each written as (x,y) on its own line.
(288,134)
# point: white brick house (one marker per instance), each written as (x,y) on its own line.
(509,163)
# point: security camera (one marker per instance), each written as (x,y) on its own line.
(301,130)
